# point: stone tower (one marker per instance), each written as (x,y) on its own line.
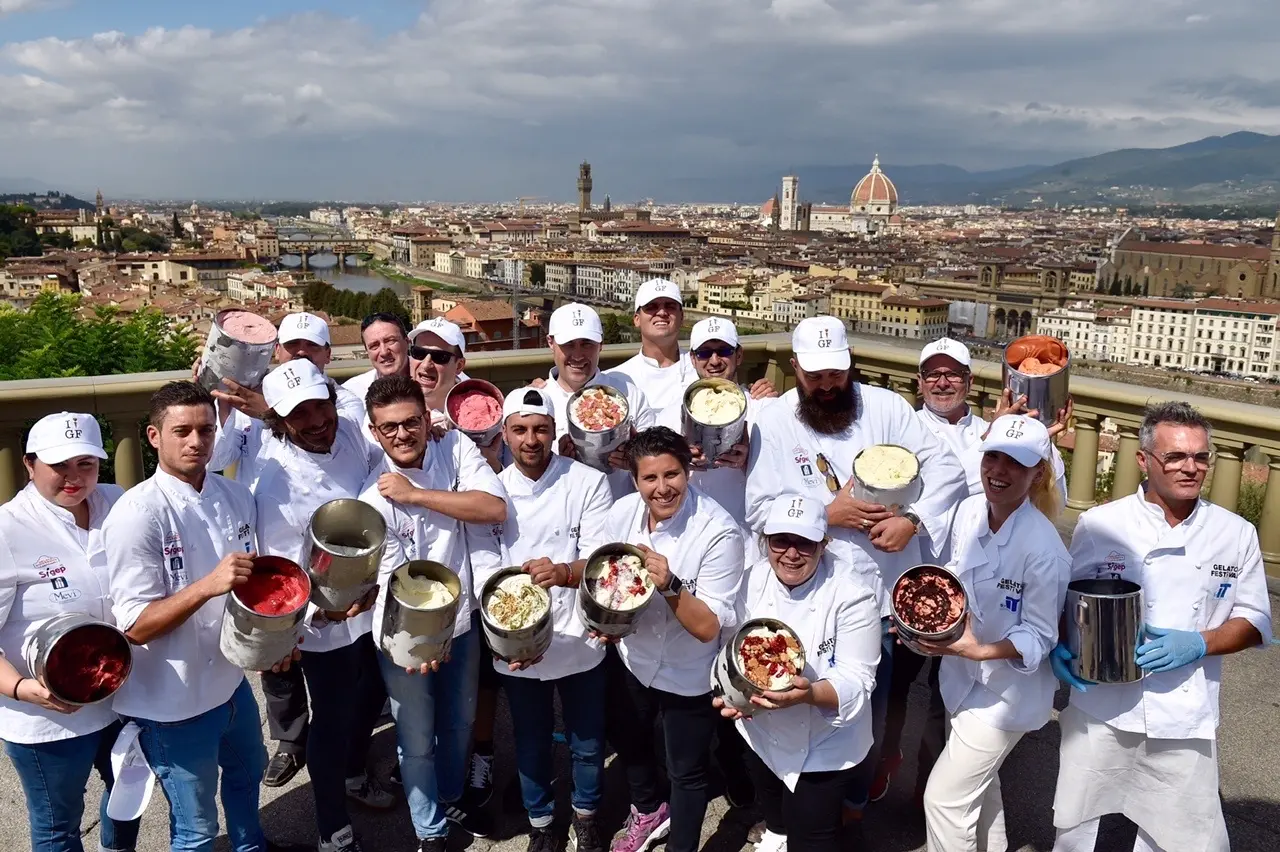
(100,209)
(775,216)
(789,221)
(584,187)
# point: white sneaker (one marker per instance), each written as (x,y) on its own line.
(771,842)
(343,840)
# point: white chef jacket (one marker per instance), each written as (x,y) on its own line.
(643,415)
(359,384)
(48,567)
(562,517)
(1194,576)
(452,463)
(836,618)
(1016,581)
(662,386)
(289,484)
(703,547)
(784,461)
(161,537)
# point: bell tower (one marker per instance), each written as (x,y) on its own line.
(1271,286)
(584,187)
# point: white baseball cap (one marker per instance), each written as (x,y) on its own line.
(304,326)
(518,402)
(443,329)
(820,343)
(713,328)
(575,322)
(798,515)
(953,349)
(657,288)
(292,383)
(1024,439)
(58,437)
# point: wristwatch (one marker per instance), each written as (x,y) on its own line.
(674,588)
(914,519)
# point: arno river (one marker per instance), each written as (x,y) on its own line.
(361,279)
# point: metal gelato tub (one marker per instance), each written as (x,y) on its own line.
(413,636)
(896,498)
(81,660)
(597,617)
(226,356)
(729,681)
(345,540)
(481,437)
(1104,620)
(256,640)
(1046,395)
(594,446)
(519,644)
(714,440)
(908,633)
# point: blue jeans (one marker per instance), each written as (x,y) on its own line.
(865,772)
(434,714)
(533,719)
(53,776)
(186,757)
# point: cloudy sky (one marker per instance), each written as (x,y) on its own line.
(490,99)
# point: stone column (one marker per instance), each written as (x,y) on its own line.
(1127,473)
(125,432)
(905,388)
(1084,465)
(12,475)
(1225,488)
(1269,523)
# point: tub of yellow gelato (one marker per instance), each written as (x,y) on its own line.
(714,416)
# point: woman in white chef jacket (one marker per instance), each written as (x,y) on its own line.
(805,741)
(995,679)
(51,563)
(693,553)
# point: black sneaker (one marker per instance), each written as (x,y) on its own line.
(738,790)
(480,783)
(281,768)
(541,840)
(431,844)
(474,821)
(584,836)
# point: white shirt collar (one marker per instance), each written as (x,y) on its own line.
(1158,513)
(181,490)
(682,358)
(674,524)
(959,424)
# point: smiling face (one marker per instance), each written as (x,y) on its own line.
(944,384)
(794,558)
(1006,482)
(313,425)
(827,402)
(662,482)
(66,484)
(659,321)
(433,378)
(577,361)
(722,360)
(401,430)
(388,348)
(184,440)
(530,437)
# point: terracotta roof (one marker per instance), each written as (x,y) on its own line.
(875,188)
(909,302)
(1239,306)
(1166,304)
(855,287)
(482,311)
(1247,251)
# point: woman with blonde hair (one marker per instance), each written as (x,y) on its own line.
(1014,568)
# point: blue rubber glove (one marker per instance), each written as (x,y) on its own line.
(1060,661)
(1166,649)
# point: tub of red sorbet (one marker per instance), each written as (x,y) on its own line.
(79,659)
(475,407)
(263,618)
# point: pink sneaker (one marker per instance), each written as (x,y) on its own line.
(641,831)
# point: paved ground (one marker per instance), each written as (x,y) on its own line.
(1250,753)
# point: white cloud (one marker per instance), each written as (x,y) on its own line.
(9,7)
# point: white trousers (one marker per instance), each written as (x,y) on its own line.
(1084,837)
(963,810)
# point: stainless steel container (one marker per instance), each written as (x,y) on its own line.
(728,680)
(594,447)
(39,648)
(482,437)
(345,540)
(255,641)
(895,499)
(909,635)
(600,619)
(714,440)
(227,357)
(514,646)
(1104,621)
(414,636)
(1046,395)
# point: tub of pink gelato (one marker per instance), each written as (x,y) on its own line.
(475,407)
(239,348)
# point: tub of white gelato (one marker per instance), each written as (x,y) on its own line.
(889,475)
(515,614)
(615,589)
(420,612)
(713,416)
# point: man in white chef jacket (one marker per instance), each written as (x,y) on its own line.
(437,356)
(574,333)
(555,519)
(176,544)
(386,343)
(806,443)
(1148,749)
(660,368)
(428,491)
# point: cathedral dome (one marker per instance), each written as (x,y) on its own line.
(874,191)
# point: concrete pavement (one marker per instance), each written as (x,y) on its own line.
(1249,754)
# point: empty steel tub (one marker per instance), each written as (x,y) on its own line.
(345,540)
(1104,621)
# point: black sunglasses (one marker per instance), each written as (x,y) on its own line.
(705,353)
(422,353)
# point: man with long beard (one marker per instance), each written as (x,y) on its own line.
(806,443)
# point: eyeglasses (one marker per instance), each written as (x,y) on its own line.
(411,427)
(1176,461)
(439,356)
(936,377)
(824,467)
(782,542)
(705,353)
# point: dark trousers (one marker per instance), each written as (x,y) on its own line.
(810,817)
(865,772)
(687,726)
(933,734)
(287,712)
(347,695)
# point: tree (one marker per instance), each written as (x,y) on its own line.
(18,238)
(137,240)
(1115,287)
(57,239)
(177,225)
(117,244)
(1128,287)
(1146,287)
(615,330)
(538,275)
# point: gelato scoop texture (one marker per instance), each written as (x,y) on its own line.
(716,406)
(419,592)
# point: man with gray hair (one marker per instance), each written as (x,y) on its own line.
(1148,749)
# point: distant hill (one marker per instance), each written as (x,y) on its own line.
(10,186)
(49,200)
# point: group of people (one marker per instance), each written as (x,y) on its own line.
(769,528)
